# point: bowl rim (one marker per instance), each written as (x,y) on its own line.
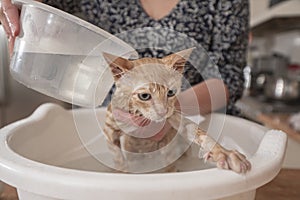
(72,18)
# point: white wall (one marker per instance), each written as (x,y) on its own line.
(257,7)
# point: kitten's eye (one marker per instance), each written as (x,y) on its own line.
(171,93)
(144,96)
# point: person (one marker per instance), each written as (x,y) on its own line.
(220,26)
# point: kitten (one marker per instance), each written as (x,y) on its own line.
(147,88)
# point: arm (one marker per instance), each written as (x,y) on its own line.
(211,95)
(228,51)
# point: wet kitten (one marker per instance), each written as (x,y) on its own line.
(147,88)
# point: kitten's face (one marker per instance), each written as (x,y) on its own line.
(154,100)
(148,86)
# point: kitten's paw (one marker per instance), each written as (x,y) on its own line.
(231,160)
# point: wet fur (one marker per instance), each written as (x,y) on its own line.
(157,76)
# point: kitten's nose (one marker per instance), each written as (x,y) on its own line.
(162,112)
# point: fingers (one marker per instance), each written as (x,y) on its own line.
(9,17)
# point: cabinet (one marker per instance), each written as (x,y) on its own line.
(284,16)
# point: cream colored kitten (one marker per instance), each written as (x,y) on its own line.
(147,88)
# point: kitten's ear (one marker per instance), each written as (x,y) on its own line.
(178,60)
(118,65)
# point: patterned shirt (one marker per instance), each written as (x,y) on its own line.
(218,28)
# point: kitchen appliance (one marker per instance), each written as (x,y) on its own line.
(283,89)
(271,80)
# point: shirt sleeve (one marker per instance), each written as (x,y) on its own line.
(229,44)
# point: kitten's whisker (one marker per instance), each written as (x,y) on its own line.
(178,111)
(144,121)
(119,74)
(188,106)
(184,113)
(123,72)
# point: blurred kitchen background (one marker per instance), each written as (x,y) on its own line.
(272,87)
(273,71)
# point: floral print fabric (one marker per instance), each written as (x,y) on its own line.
(219,26)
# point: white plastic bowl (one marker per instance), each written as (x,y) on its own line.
(60,55)
(43,157)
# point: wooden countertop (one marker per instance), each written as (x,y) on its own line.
(286,186)
(263,113)
(279,121)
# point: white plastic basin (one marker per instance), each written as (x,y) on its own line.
(43,157)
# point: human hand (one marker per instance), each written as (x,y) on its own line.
(144,128)
(9,18)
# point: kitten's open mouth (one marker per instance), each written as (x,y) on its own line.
(141,120)
(151,129)
(157,120)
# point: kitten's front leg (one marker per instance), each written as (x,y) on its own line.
(225,159)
